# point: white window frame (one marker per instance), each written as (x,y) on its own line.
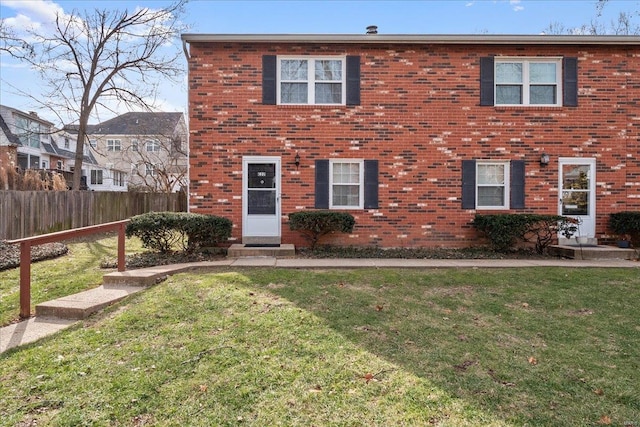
(526,84)
(149,169)
(97,177)
(114,145)
(135,145)
(506,184)
(311,93)
(360,162)
(152,146)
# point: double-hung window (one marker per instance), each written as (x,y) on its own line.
(96,177)
(114,145)
(346,184)
(532,81)
(134,145)
(311,81)
(153,146)
(150,170)
(492,185)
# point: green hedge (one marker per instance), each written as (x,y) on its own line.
(315,224)
(167,231)
(626,225)
(505,230)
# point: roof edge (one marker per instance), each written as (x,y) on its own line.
(414,38)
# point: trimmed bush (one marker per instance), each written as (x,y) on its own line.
(167,231)
(626,225)
(315,224)
(504,230)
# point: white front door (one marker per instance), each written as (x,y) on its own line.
(577,188)
(261,200)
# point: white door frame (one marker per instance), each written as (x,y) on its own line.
(587,222)
(261,228)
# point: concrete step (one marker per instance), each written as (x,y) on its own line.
(239,250)
(82,305)
(586,252)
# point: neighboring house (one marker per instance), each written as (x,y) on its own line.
(412,134)
(150,147)
(37,144)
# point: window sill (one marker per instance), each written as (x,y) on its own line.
(527,107)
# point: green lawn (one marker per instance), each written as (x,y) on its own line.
(78,271)
(265,347)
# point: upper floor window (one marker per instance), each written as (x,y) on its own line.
(114,145)
(134,145)
(153,145)
(311,80)
(539,81)
(528,81)
(28,131)
(66,142)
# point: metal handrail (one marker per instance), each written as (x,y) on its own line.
(27,242)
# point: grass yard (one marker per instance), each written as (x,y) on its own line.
(267,347)
(78,271)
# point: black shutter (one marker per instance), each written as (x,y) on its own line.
(468,184)
(353,80)
(269,80)
(486,81)
(371,184)
(322,184)
(517,184)
(570,82)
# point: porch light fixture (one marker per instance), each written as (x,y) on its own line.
(544,159)
(296,160)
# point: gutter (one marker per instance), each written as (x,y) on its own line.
(480,39)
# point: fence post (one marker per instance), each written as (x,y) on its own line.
(121,258)
(25,279)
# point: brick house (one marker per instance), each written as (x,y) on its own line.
(412,134)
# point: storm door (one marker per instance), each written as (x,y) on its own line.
(261,200)
(577,193)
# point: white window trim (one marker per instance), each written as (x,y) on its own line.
(525,61)
(152,143)
(112,144)
(361,184)
(150,170)
(135,145)
(311,78)
(507,187)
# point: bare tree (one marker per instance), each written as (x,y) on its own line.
(11,43)
(625,24)
(164,170)
(103,58)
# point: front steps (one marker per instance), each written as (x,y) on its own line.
(240,250)
(588,251)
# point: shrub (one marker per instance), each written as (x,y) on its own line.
(164,231)
(626,224)
(504,230)
(315,224)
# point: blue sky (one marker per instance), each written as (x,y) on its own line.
(328,16)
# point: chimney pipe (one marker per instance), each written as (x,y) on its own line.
(372,29)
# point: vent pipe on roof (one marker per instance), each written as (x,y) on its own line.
(372,29)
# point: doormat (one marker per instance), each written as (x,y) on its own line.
(262,245)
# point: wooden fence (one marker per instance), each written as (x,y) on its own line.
(30,213)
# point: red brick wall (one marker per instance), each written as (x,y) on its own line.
(420,117)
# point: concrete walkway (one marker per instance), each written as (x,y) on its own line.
(53,316)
